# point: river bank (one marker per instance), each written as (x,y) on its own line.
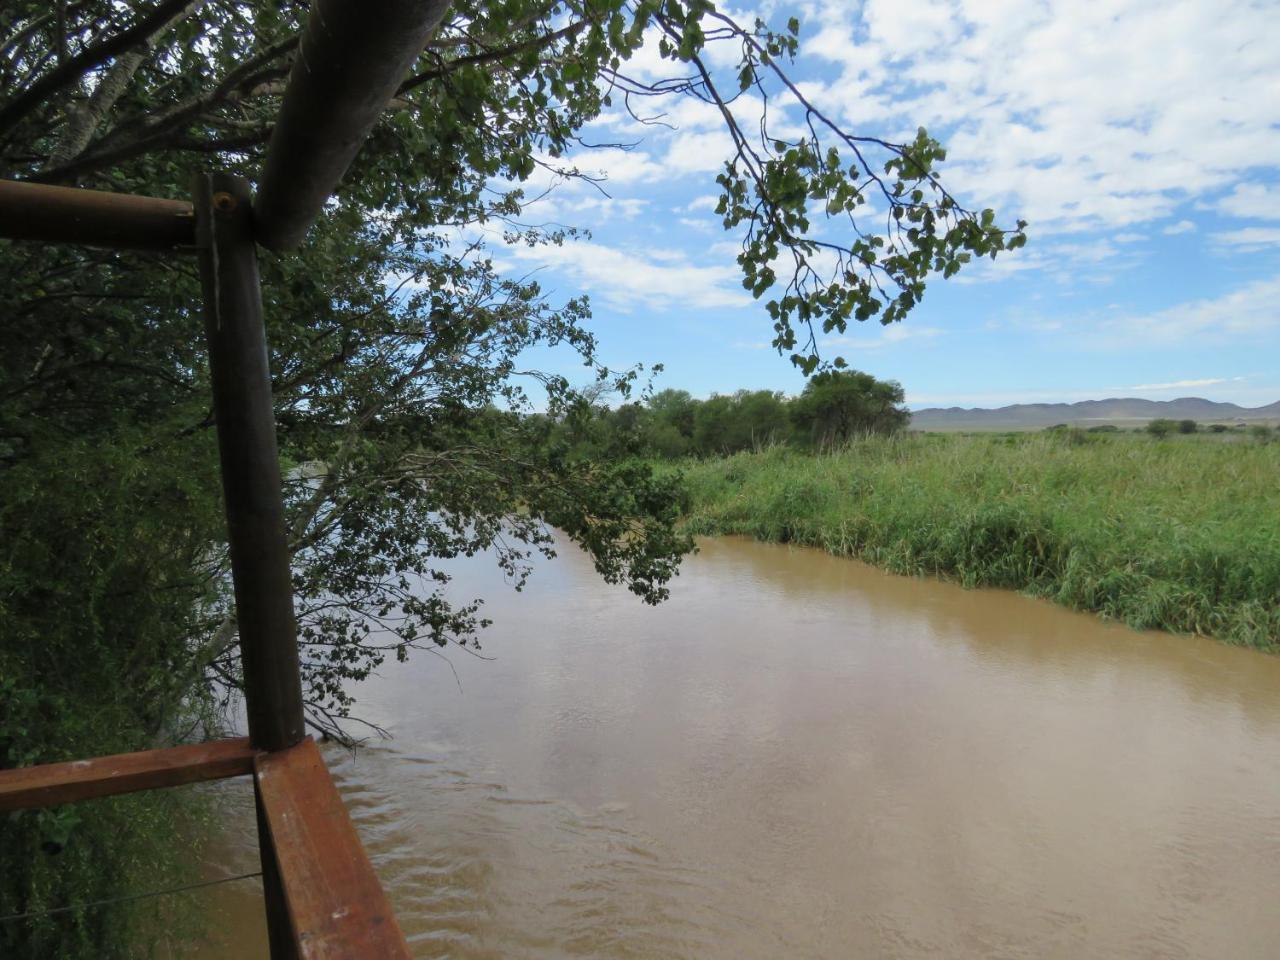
(1180,535)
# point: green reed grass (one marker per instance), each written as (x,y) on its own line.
(1180,534)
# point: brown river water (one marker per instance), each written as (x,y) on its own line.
(802,756)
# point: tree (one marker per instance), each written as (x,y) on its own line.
(764,417)
(839,405)
(396,347)
(1187,426)
(669,432)
(1160,427)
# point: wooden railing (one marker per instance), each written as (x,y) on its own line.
(332,902)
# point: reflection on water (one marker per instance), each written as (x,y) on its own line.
(801,756)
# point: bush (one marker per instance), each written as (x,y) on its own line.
(1160,427)
(1187,426)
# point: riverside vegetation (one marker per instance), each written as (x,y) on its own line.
(1173,526)
(1180,534)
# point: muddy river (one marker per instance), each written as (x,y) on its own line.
(801,756)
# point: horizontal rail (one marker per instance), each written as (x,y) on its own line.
(336,905)
(37,211)
(352,58)
(53,783)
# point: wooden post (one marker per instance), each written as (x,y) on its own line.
(260,563)
(337,908)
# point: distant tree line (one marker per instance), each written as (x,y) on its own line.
(835,407)
(1161,427)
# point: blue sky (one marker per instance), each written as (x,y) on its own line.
(1139,138)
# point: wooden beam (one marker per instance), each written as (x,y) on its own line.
(281,943)
(353,56)
(53,783)
(36,211)
(336,905)
(260,560)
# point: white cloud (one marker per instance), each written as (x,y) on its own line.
(1253,201)
(705,202)
(1182,384)
(702,226)
(699,153)
(618,165)
(598,207)
(1182,226)
(917,399)
(1248,239)
(887,337)
(1246,312)
(1077,116)
(624,278)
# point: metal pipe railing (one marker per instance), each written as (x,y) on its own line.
(352,58)
(260,560)
(36,211)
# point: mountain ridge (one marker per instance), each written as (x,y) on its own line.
(1086,412)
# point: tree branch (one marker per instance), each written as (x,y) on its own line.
(71,70)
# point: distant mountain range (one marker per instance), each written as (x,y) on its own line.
(1120,411)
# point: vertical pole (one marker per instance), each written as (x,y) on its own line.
(260,566)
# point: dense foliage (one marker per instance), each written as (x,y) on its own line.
(834,407)
(1181,536)
(395,358)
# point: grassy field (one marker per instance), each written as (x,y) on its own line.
(1181,534)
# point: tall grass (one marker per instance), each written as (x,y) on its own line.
(1180,535)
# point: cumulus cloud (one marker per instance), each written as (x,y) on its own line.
(1182,226)
(624,277)
(618,165)
(1255,201)
(1053,111)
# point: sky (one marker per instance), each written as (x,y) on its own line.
(1140,139)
